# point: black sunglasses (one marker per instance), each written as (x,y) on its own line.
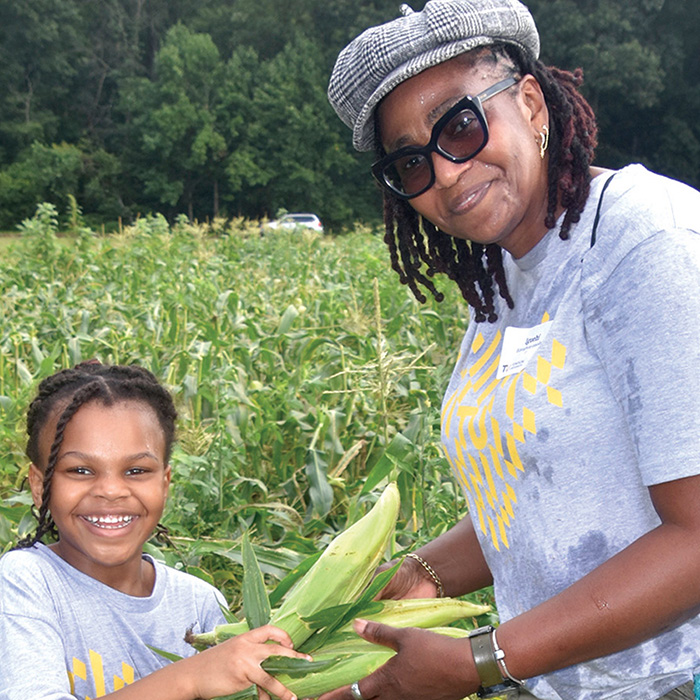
(458,136)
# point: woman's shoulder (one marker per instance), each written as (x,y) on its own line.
(638,207)
(647,201)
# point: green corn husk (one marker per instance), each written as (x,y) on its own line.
(347,670)
(356,659)
(219,634)
(317,611)
(343,570)
(425,612)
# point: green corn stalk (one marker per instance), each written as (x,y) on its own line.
(343,570)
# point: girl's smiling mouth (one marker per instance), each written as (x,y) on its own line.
(110,522)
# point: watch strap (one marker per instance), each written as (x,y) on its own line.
(485,660)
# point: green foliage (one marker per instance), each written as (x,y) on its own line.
(296,380)
(43,173)
(218,109)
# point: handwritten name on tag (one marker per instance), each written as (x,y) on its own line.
(519,345)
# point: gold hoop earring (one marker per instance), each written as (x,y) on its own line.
(544,143)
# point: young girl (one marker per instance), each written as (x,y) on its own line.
(77,617)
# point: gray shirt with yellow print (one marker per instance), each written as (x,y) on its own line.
(561,414)
(65,635)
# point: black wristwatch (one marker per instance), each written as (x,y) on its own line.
(486,661)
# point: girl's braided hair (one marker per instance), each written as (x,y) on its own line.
(70,389)
(413,241)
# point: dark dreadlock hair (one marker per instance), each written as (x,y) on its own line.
(413,241)
(70,389)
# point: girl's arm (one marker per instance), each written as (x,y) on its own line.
(224,669)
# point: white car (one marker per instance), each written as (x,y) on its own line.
(293,221)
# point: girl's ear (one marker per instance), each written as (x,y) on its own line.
(36,484)
(167,476)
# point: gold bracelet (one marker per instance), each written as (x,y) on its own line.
(430,571)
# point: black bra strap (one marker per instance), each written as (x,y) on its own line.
(597,213)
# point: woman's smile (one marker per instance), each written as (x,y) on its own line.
(498,196)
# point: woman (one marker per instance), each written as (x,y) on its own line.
(572,419)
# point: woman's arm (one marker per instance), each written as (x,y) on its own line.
(644,590)
(648,588)
(456,558)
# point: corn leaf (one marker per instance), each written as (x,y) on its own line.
(398,451)
(352,610)
(328,616)
(165,654)
(298,668)
(256,604)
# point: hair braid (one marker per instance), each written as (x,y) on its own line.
(476,268)
(70,389)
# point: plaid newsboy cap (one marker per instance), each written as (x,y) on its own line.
(380,58)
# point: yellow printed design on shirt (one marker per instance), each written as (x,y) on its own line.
(80,672)
(484,453)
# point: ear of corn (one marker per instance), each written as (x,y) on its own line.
(343,570)
(355,659)
(333,591)
(219,634)
(425,612)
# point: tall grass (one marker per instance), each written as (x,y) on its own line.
(303,372)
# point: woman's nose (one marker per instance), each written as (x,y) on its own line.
(447,172)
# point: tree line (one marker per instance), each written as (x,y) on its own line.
(218,107)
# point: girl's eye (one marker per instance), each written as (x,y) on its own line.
(136,471)
(80,471)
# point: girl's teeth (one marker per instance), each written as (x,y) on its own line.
(112,522)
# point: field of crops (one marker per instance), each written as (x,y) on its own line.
(304,375)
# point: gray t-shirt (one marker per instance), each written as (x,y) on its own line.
(64,635)
(560,415)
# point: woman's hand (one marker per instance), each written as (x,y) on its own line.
(409,581)
(234,664)
(427,666)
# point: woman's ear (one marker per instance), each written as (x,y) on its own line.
(533,102)
(36,484)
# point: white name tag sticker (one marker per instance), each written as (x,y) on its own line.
(519,345)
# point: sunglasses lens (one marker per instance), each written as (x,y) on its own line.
(409,174)
(462,136)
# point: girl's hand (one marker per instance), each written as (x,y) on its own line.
(427,666)
(234,664)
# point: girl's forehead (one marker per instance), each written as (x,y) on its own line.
(96,420)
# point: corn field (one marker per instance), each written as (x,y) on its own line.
(303,372)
